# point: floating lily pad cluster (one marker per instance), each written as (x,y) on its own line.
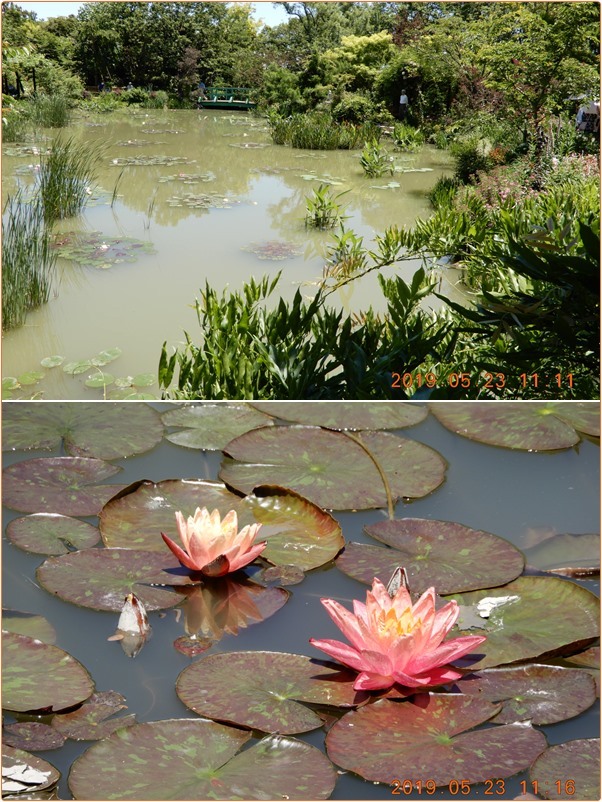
(284,466)
(273,250)
(188,178)
(249,145)
(98,250)
(203,201)
(150,161)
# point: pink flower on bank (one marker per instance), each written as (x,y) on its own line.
(213,546)
(393,640)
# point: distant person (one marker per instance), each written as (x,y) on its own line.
(202,93)
(403,105)
(129,86)
(101,86)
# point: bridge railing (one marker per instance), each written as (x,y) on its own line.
(228,93)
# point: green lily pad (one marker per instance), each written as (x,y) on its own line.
(80,366)
(92,721)
(34,626)
(537,693)
(297,531)
(330,468)
(98,250)
(52,361)
(48,533)
(582,415)
(568,771)
(105,431)
(32,735)
(10,383)
(101,578)
(512,425)
(449,556)
(105,357)
(31,377)
(428,738)
(560,551)
(212,426)
(197,760)
(347,414)
(59,484)
(38,676)
(148,161)
(262,690)
(533,617)
(99,379)
(144,379)
(24,773)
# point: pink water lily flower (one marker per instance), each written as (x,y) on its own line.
(395,641)
(212,545)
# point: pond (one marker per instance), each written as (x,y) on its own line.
(203,197)
(526,473)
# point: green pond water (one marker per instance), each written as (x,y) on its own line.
(253,193)
(524,497)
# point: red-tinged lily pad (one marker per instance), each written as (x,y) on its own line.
(196,759)
(102,578)
(568,771)
(347,414)
(51,533)
(92,721)
(65,485)
(34,626)
(104,431)
(38,676)
(32,735)
(589,658)
(537,693)
(212,426)
(428,737)
(568,552)
(532,617)
(283,574)
(298,532)
(582,415)
(441,554)
(262,690)
(531,427)
(26,774)
(330,468)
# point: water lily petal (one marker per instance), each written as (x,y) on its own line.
(340,651)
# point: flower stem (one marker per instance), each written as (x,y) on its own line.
(379,468)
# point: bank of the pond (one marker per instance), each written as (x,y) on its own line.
(201,197)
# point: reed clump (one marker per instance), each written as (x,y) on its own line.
(65,178)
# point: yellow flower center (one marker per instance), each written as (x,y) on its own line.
(390,624)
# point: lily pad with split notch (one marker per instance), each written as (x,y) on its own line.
(569,771)
(101,578)
(104,431)
(347,414)
(536,617)
(511,425)
(263,690)
(212,426)
(566,551)
(538,693)
(197,759)
(63,485)
(39,676)
(330,468)
(431,736)
(443,554)
(51,533)
(30,624)
(92,721)
(33,735)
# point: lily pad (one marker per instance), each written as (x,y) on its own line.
(203,201)
(92,721)
(569,771)
(530,427)
(52,361)
(101,578)
(537,693)
(188,178)
(59,484)
(262,690)
(99,379)
(212,426)
(105,431)
(50,533)
(107,356)
(95,249)
(347,414)
(32,735)
(331,469)
(560,551)
(80,366)
(428,737)
(581,415)
(30,377)
(197,760)
(26,774)
(273,250)
(535,617)
(590,658)
(447,555)
(34,626)
(10,383)
(150,161)
(38,676)
(298,532)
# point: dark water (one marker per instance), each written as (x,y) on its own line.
(509,493)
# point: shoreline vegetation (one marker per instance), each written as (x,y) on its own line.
(498,86)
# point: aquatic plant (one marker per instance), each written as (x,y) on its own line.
(95,249)
(273,250)
(28,260)
(406,137)
(395,641)
(65,176)
(50,111)
(322,209)
(319,131)
(212,545)
(375,160)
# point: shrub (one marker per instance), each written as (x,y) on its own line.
(353,108)
(16,120)
(157,100)
(470,159)
(135,95)
(444,192)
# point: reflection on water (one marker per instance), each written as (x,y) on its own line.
(513,494)
(138,306)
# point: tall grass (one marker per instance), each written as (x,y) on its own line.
(50,111)
(27,260)
(65,177)
(319,131)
